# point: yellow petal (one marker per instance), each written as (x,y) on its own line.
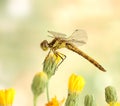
(76,83)
(7,96)
(2,97)
(55,102)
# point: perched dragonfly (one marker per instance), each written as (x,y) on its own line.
(78,38)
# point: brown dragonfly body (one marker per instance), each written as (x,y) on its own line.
(78,37)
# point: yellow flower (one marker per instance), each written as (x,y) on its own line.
(76,83)
(55,102)
(114,104)
(7,97)
(75,86)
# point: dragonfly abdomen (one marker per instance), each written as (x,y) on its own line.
(78,51)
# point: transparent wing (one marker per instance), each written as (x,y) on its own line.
(57,34)
(78,37)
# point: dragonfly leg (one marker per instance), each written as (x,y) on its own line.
(60,55)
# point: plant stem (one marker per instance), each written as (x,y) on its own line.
(35,100)
(47,91)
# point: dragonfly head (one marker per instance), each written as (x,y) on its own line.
(44,45)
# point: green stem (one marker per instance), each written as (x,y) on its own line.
(47,91)
(35,100)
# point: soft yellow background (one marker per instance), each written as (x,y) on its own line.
(24,24)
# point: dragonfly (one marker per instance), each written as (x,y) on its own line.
(77,38)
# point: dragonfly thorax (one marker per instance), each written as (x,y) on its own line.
(44,45)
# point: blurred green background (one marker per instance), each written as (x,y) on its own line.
(24,24)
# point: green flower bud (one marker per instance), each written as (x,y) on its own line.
(73,99)
(89,101)
(51,63)
(39,83)
(110,94)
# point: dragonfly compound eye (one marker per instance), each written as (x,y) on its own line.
(44,45)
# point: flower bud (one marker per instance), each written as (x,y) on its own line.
(73,99)
(110,94)
(89,101)
(51,63)
(39,83)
